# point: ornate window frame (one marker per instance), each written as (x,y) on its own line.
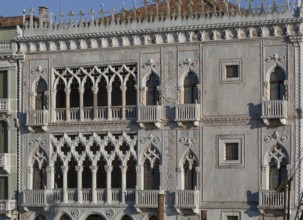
(222,140)
(226,214)
(224,63)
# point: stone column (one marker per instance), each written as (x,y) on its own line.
(79,170)
(123,104)
(50,177)
(181,95)
(123,185)
(30,177)
(81,92)
(94,183)
(108,170)
(95,102)
(64,173)
(140,178)
(180,178)
(67,104)
(161,203)
(109,102)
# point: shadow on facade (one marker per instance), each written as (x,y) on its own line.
(252,202)
(254,112)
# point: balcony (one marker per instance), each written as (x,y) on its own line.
(274,109)
(149,114)
(44,198)
(7,48)
(8,206)
(271,199)
(188,113)
(37,118)
(4,106)
(6,161)
(187,199)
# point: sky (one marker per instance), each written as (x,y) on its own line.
(15,7)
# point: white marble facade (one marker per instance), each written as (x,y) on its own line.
(205,109)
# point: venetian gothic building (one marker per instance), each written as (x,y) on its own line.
(195,104)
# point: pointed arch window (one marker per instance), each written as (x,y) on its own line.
(151,169)
(131,92)
(88,95)
(152,93)
(190,175)
(190,88)
(86,174)
(101,174)
(72,174)
(116,173)
(74,94)
(3,138)
(41,98)
(277,87)
(39,169)
(58,174)
(102,92)
(60,95)
(116,92)
(277,167)
(131,180)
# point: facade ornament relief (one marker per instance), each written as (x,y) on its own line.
(189,62)
(110,213)
(275,58)
(75,212)
(39,70)
(169,92)
(151,63)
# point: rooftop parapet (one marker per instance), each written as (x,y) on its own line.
(160,14)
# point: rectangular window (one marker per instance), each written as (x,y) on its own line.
(231,71)
(3,188)
(3,84)
(231,151)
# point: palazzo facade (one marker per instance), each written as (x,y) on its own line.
(199,102)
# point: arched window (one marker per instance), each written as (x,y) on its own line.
(277,167)
(86,174)
(190,175)
(131,92)
(131,180)
(88,95)
(102,92)
(101,174)
(60,95)
(72,174)
(41,98)
(39,169)
(116,173)
(3,137)
(151,169)
(94,217)
(190,88)
(74,94)
(58,174)
(116,92)
(277,88)
(152,93)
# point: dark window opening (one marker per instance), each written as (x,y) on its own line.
(72,174)
(116,92)
(58,174)
(3,85)
(39,176)
(86,174)
(152,93)
(116,174)
(101,174)
(151,175)
(88,95)
(3,138)
(102,92)
(232,71)
(277,174)
(60,95)
(131,92)
(277,88)
(190,88)
(131,175)
(41,98)
(231,151)
(74,94)
(3,188)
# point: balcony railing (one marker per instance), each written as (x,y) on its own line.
(147,198)
(188,113)
(37,118)
(187,199)
(274,109)
(271,199)
(149,114)
(6,48)
(7,161)
(8,205)
(4,105)
(42,198)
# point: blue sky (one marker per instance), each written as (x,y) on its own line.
(15,7)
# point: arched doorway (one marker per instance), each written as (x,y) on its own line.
(95,217)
